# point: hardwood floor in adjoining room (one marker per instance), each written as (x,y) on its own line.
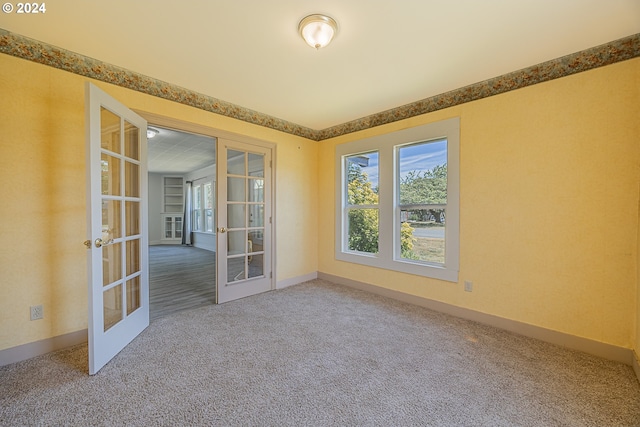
(180,277)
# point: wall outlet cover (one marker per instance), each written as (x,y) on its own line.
(37,312)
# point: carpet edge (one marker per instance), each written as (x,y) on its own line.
(586,345)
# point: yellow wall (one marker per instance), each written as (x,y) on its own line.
(549,206)
(549,202)
(42,165)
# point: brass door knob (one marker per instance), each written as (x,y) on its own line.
(222,230)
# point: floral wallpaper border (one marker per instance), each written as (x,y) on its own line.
(33,50)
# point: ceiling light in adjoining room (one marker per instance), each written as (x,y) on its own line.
(151,132)
(318,30)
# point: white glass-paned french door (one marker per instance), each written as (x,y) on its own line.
(117,228)
(244,229)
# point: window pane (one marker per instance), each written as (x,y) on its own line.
(209,220)
(208,196)
(363,230)
(196,220)
(423,173)
(422,234)
(362,179)
(196,197)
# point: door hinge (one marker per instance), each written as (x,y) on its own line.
(271,275)
(270,163)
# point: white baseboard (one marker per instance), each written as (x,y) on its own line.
(636,364)
(37,348)
(607,351)
(281,284)
(596,348)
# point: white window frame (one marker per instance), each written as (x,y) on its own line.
(388,256)
(200,226)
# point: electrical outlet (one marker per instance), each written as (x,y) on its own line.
(468,286)
(37,312)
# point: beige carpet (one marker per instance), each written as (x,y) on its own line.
(325,355)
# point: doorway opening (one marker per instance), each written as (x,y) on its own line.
(182,218)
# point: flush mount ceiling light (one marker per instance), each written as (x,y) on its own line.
(317,30)
(151,132)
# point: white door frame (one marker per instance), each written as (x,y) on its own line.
(171,123)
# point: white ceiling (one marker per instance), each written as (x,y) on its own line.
(174,152)
(386,53)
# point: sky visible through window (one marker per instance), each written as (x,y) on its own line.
(418,157)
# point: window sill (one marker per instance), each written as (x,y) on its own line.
(408,267)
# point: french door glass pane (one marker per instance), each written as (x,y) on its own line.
(133,256)
(132,218)
(131,141)
(110,175)
(111,263)
(133,295)
(110,130)
(111,219)
(236,217)
(256,215)
(256,266)
(236,242)
(256,237)
(132,180)
(256,164)
(112,306)
(236,269)
(256,190)
(236,163)
(236,189)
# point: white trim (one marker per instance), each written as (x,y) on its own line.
(292,281)
(636,364)
(38,348)
(596,348)
(385,146)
